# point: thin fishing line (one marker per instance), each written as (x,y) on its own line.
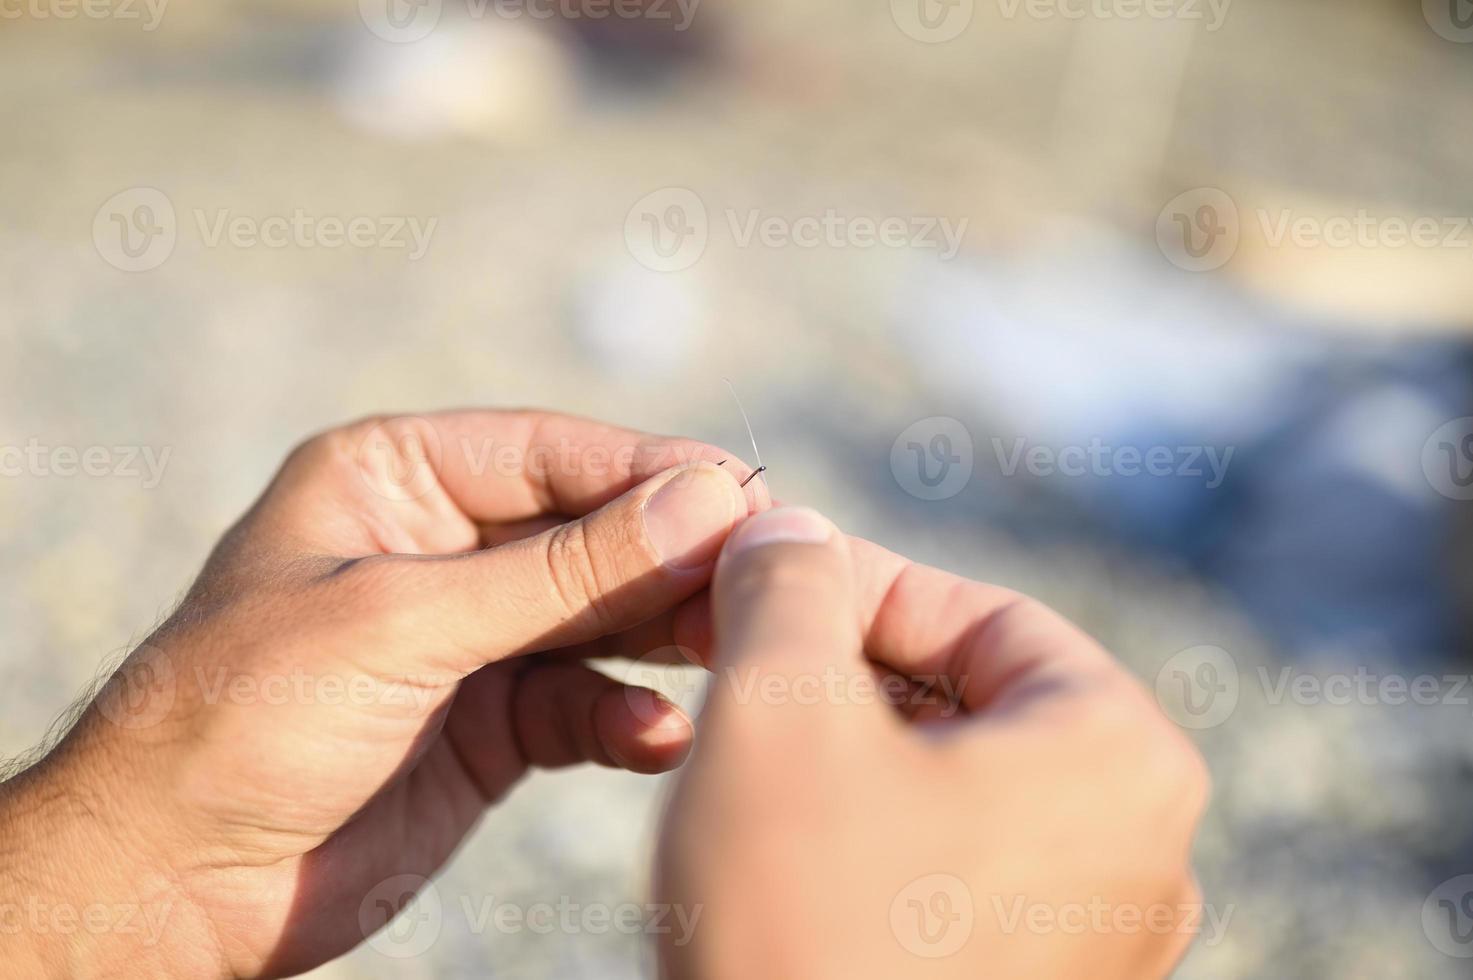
(757,453)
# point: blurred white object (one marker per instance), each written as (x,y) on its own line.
(491,79)
(637,322)
(1097,342)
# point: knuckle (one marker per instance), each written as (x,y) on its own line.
(365,437)
(1171,777)
(1178,776)
(375,584)
(577,581)
(328,447)
(1195,779)
(1171,757)
(311,452)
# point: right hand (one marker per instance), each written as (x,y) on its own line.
(835,836)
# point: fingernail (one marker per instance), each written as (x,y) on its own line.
(655,711)
(782,525)
(689,517)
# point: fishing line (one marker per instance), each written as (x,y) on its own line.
(757,453)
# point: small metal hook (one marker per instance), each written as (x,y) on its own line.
(760,469)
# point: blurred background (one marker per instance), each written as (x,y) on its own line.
(1156,310)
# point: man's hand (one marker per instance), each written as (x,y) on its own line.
(377,651)
(824,833)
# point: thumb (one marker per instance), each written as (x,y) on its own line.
(787,638)
(628,561)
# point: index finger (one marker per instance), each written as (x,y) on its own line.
(984,646)
(1000,649)
(430,484)
(498,466)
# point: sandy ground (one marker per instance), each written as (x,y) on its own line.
(1332,825)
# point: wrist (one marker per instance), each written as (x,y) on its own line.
(77,896)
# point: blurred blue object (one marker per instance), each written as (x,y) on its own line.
(1103,358)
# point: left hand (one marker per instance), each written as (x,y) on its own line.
(374,654)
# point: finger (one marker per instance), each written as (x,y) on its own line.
(654,641)
(513,465)
(613,569)
(492,535)
(976,646)
(787,634)
(962,643)
(427,484)
(568,713)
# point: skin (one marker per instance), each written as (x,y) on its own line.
(397,631)
(799,825)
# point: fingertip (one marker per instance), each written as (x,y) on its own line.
(758,495)
(782,525)
(688,515)
(642,730)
